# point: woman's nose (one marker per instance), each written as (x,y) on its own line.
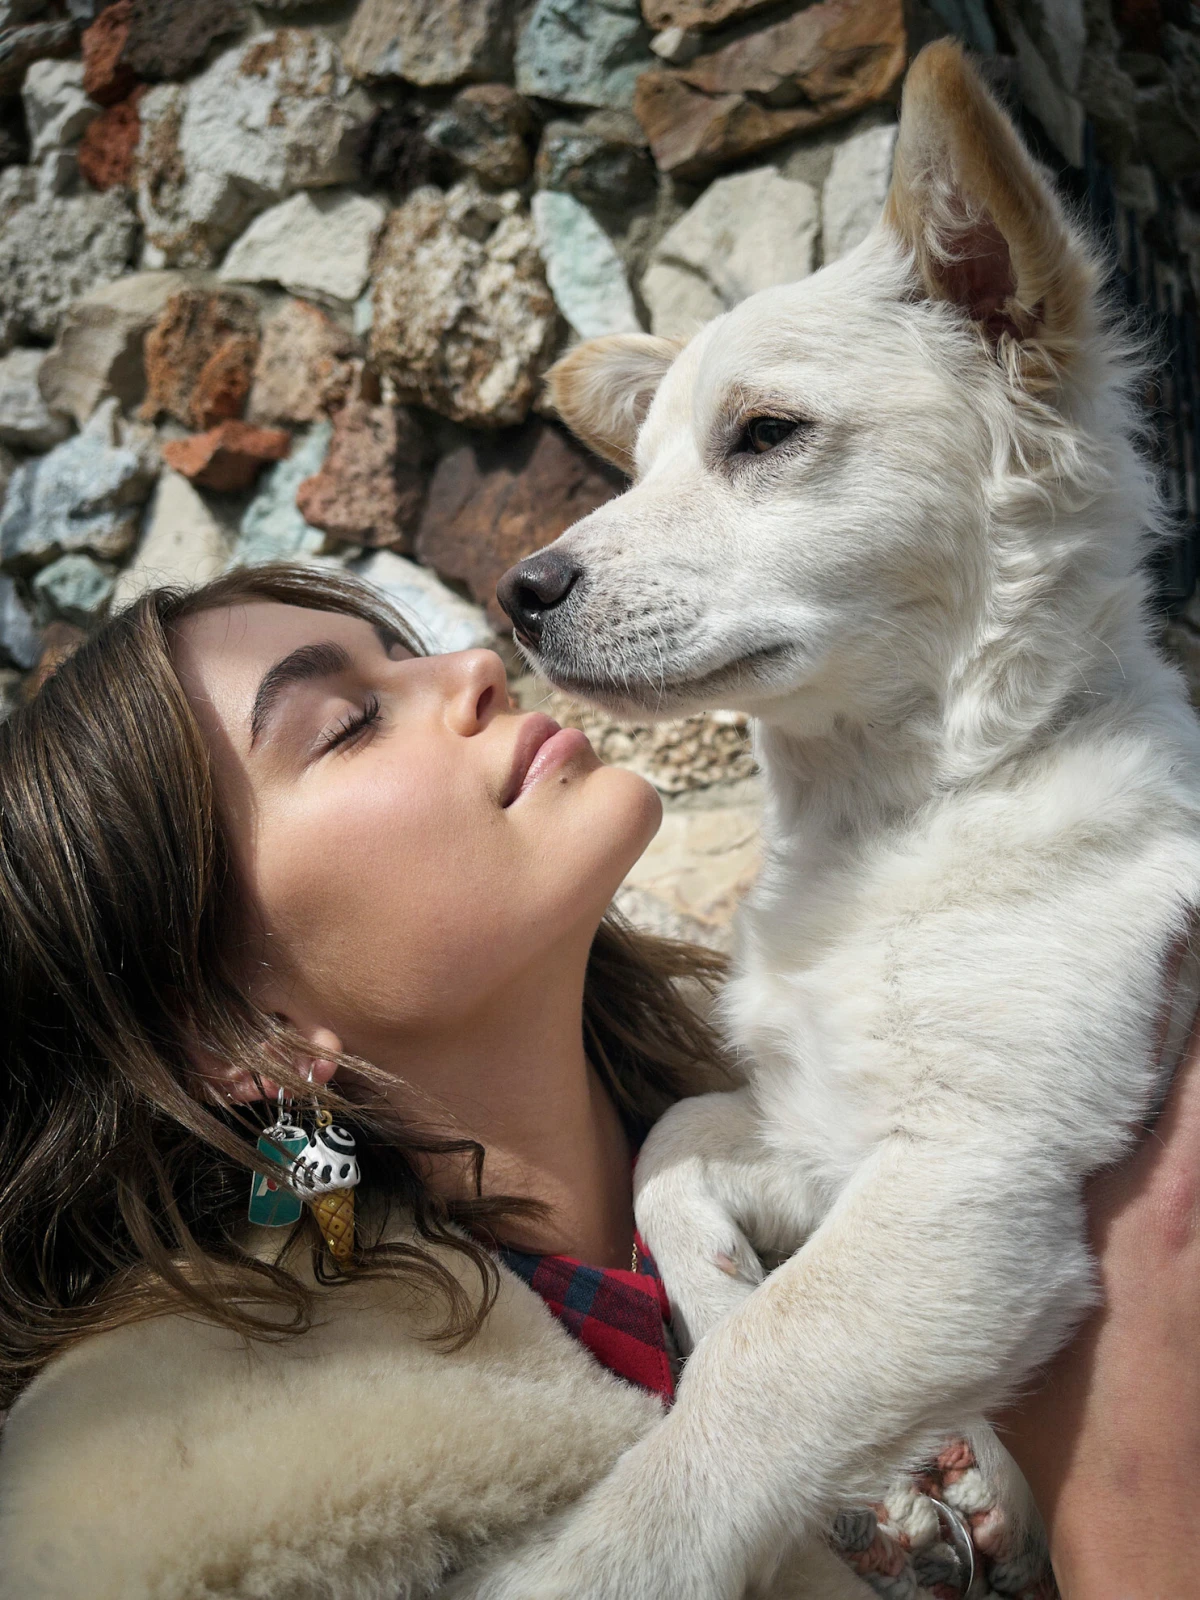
(478,691)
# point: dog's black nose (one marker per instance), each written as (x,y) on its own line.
(535,586)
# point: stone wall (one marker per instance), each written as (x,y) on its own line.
(282,280)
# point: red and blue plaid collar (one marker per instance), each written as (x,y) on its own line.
(619,1315)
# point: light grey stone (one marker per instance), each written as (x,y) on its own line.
(747,232)
(276,114)
(182,543)
(431,42)
(85,495)
(52,252)
(18,634)
(75,588)
(442,620)
(583,268)
(57,172)
(697,870)
(57,111)
(317,245)
(677,45)
(1059,112)
(854,191)
(271,528)
(8,465)
(463,319)
(25,418)
(21,47)
(99,349)
(584,52)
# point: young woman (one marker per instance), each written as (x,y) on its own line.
(259,856)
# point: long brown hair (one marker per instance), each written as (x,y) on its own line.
(121,1189)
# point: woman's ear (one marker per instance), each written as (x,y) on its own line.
(603,388)
(224,1083)
(985,228)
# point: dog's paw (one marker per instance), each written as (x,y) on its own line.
(708,1264)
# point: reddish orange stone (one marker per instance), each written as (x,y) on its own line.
(228,457)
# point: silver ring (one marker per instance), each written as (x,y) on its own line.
(958,1537)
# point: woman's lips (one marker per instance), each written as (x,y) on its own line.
(542,747)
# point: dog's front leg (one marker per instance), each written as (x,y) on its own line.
(709,1195)
(942,1276)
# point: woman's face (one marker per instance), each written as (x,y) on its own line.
(407,844)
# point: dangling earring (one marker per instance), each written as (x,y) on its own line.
(273,1201)
(326,1173)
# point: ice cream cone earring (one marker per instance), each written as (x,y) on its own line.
(325,1173)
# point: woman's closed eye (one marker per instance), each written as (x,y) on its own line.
(349,729)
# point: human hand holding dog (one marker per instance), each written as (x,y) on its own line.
(1110,1441)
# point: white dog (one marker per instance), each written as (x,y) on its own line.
(895,511)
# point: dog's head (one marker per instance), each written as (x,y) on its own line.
(818,474)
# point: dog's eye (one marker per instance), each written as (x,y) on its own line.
(764,433)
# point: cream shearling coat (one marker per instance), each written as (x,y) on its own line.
(171,1461)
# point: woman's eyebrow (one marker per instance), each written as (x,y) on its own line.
(309,661)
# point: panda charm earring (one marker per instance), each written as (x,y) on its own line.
(325,1173)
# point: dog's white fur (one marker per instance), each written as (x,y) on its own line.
(982,836)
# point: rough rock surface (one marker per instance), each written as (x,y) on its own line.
(25,418)
(57,109)
(583,52)
(854,191)
(74,588)
(678,757)
(21,47)
(485,130)
(809,69)
(272,116)
(745,233)
(18,636)
(55,250)
(83,496)
(370,488)
(109,145)
(598,166)
(699,14)
(313,244)
(107,77)
(227,458)
(98,352)
(182,543)
(305,366)
(430,41)
(697,869)
(492,502)
(705,856)
(463,319)
(167,38)
(442,620)
(583,268)
(200,356)
(272,529)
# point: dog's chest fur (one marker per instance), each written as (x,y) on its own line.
(978,959)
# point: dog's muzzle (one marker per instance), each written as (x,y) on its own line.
(534,588)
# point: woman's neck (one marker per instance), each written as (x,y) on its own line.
(518,1080)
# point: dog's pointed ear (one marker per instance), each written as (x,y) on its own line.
(603,388)
(985,228)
